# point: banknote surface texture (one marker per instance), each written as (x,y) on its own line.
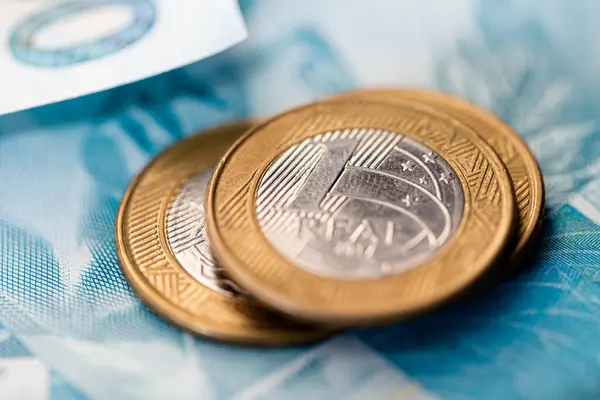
(68,311)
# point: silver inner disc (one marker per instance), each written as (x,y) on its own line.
(188,239)
(359,203)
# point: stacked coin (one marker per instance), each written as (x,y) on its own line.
(364,208)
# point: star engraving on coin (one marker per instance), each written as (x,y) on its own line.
(188,239)
(407,166)
(429,157)
(446,178)
(379,203)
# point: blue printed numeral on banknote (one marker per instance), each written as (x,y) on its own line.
(22,39)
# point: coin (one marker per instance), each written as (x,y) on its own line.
(353,211)
(522,166)
(165,255)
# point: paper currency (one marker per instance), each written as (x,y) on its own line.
(24,376)
(64,168)
(58,50)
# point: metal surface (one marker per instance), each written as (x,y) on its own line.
(359,203)
(520,163)
(188,240)
(249,252)
(164,256)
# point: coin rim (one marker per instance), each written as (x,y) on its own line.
(524,242)
(152,298)
(240,273)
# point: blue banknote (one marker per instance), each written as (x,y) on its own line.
(24,376)
(66,308)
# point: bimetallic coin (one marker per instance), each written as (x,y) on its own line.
(352,211)
(188,241)
(166,256)
(363,203)
(522,166)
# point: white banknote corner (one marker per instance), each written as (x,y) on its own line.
(55,51)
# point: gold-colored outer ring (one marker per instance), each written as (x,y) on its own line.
(243,250)
(522,167)
(155,275)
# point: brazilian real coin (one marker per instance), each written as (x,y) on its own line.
(522,166)
(165,255)
(353,211)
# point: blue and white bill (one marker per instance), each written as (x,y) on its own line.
(57,50)
(64,168)
(24,376)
